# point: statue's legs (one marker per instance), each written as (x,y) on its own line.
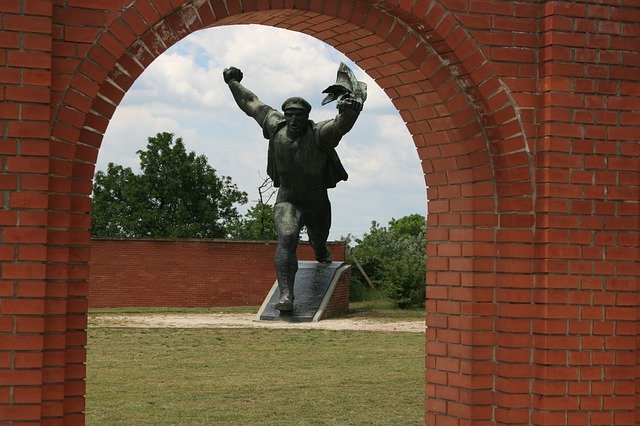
(318,223)
(288,221)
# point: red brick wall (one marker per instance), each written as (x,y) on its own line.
(192,273)
(339,302)
(525,118)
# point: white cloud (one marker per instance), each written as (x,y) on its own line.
(382,148)
(268,57)
(183,92)
(128,131)
(175,80)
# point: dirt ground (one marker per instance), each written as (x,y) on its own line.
(248,321)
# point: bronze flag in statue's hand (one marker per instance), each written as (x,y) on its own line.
(346,86)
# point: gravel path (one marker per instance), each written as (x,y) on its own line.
(248,321)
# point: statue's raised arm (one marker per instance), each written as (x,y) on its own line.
(332,131)
(350,94)
(245,98)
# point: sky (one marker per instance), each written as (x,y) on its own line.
(183,92)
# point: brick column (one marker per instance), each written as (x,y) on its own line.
(586,291)
(27,350)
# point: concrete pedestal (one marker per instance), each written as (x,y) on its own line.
(314,285)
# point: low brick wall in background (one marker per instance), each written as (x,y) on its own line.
(187,273)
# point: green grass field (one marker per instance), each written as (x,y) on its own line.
(252,376)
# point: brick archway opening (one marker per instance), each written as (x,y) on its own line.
(464,123)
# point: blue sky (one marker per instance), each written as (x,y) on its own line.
(183,92)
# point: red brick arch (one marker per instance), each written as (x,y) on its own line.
(524,118)
(464,123)
(439,79)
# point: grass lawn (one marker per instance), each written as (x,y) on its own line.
(254,376)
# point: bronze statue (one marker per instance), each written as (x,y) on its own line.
(302,163)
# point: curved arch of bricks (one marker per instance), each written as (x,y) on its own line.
(524,118)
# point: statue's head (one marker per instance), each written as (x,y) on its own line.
(296,113)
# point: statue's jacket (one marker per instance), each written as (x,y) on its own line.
(334,171)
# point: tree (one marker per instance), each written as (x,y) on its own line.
(259,222)
(394,259)
(412,225)
(176,195)
(118,196)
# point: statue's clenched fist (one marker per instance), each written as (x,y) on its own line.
(232,74)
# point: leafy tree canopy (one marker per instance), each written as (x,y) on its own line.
(258,224)
(412,225)
(176,195)
(393,258)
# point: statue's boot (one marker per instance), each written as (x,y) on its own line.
(323,254)
(285,303)
(285,285)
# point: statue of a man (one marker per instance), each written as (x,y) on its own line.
(302,163)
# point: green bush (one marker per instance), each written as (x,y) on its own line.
(359,290)
(404,275)
(394,260)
